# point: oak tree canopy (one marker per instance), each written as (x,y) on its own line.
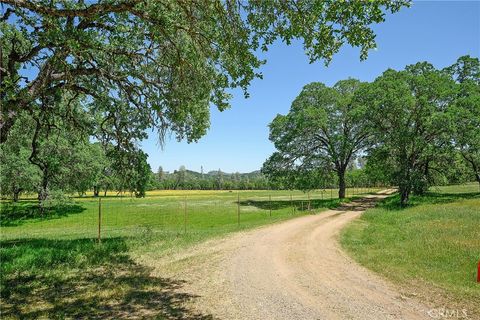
(138,64)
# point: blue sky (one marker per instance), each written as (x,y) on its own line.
(434,31)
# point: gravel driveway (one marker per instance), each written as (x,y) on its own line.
(290,270)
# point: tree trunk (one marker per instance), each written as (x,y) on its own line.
(474,167)
(341,184)
(105,193)
(96,191)
(16,194)
(404,195)
(43,191)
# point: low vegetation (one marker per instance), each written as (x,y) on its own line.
(432,247)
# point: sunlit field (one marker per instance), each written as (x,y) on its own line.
(175,213)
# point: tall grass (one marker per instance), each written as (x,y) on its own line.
(433,243)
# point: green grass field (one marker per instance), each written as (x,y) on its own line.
(432,246)
(162,213)
(52,267)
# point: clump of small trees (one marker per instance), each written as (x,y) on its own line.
(414,127)
(183,179)
(52,159)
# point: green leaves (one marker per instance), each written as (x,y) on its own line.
(324,26)
(323,131)
(410,113)
(415,124)
(166,61)
(465,112)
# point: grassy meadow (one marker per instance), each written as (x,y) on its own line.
(162,213)
(52,267)
(431,247)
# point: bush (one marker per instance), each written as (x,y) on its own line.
(56,199)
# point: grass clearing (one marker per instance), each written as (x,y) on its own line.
(52,268)
(432,246)
(162,213)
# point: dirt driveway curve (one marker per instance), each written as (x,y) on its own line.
(292,270)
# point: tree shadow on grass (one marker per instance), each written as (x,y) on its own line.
(358,204)
(15,214)
(79,279)
(298,205)
(393,202)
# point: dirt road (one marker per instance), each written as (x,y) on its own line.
(293,270)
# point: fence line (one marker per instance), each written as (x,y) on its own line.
(172,215)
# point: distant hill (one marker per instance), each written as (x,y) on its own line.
(245,174)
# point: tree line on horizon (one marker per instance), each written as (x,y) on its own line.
(184,179)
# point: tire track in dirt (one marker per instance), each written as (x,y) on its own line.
(294,270)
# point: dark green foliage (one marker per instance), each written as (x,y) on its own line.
(466,111)
(17,174)
(409,114)
(323,132)
(184,179)
(143,63)
(409,128)
(142,172)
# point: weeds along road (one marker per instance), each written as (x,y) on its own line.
(291,270)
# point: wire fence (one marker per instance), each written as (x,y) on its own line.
(169,214)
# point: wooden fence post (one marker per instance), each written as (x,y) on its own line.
(185,215)
(238,209)
(270,204)
(99,219)
(291,203)
(309,203)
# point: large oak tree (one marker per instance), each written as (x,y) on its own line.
(466,111)
(410,114)
(138,64)
(323,131)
